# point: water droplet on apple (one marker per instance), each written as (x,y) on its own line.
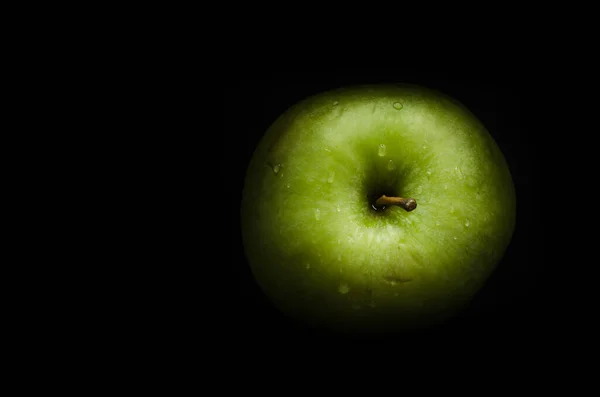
(452,210)
(288,185)
(424,146)
(318,214)
(382,150)
(456,238)
(308,265)
(467,223)
(445,187)
(328,150)
(276,168)
(428,172)
(339,256)
(335,103)
(338,208)
(397,105)
(437,223)
(343,288)
(459,172)
(391,166)
(331,176)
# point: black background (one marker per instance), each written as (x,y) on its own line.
(514,304)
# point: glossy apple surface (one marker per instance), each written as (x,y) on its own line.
(326,257)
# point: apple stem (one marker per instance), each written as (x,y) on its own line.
(408,204)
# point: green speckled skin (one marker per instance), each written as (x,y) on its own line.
(326,258)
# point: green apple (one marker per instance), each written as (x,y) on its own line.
(332,252)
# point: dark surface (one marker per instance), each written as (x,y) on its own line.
(514,304)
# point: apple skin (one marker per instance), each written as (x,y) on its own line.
(326,258)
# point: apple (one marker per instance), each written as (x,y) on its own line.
(376,208)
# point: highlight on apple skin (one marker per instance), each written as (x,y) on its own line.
(324,230)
